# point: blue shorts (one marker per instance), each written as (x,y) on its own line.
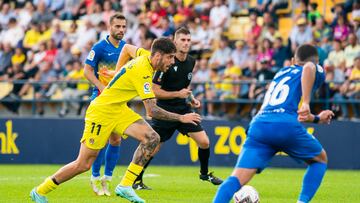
(265,139)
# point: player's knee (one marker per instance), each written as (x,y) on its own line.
(152,139)
(83,166)
(115,140)
(204,144)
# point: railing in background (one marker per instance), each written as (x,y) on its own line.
(325,100)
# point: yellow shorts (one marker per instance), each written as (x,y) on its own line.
(99,124)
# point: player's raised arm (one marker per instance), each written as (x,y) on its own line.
(155,111)
(127,53)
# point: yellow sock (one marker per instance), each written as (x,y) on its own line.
(47,186)
(131,174)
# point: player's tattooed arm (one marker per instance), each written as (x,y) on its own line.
(155,111)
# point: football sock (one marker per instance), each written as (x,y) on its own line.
(312,180)
(140,177)
(95,169)
(227,190)
(131,174)
(111,157)
(204,155)
(47,186)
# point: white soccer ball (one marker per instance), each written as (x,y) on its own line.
(247,194)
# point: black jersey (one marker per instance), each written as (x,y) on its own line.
(177,77)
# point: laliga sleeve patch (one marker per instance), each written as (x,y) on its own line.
(147,88)
(91,55)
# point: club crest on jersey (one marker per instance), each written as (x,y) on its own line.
(175,68)
(147,88)
(189,76)
(91,55)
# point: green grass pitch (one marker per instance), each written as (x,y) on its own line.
(178,184)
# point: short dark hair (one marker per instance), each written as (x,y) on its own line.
(182,30)
(163,45)
(306,52)
(117,16)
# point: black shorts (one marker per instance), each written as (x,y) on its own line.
(167,128)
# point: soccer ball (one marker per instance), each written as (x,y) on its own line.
(247,194)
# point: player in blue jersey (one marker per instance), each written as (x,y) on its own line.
(103,56)
(277,128)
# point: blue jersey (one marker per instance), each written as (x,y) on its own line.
(284,94)
(103,55)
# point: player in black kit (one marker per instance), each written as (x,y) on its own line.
(172,92)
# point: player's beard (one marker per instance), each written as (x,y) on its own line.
(117,36)
(161,65)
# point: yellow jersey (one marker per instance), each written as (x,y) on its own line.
(134,79)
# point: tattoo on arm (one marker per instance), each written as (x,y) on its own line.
(159,113)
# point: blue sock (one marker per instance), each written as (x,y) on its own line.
(227,189)
(312,180)
(95,169)
(111,157)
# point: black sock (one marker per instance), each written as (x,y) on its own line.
(54,181)
(140,176)
(204,155)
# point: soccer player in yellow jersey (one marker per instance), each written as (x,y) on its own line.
(109,113)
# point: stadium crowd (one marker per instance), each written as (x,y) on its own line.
(45,41)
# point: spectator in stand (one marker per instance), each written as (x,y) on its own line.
(42,14)
(88,33)
(15,72)
(25,14)
(313,14)
(321,32)
(202,37)
(71,10)
(221,56)
(57,34)
(5,57)
(13,35)
(270,32)
(5,15)
(93,14)
(108,12)
(76,88)
(63,56)
(202,75)
(300,34)
(281,54)
(72,34)
(255,29)
(350,90)
(32,37)
(46,75)
(19,57)
(342,29)
(219,18)
(240,54)
(351,50)
(337,56)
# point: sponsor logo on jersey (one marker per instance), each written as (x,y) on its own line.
(91,55)
(175,68)
(109,54)
(147,88)
(189,76)
(146,77)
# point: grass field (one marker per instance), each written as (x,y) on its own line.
(178,184)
